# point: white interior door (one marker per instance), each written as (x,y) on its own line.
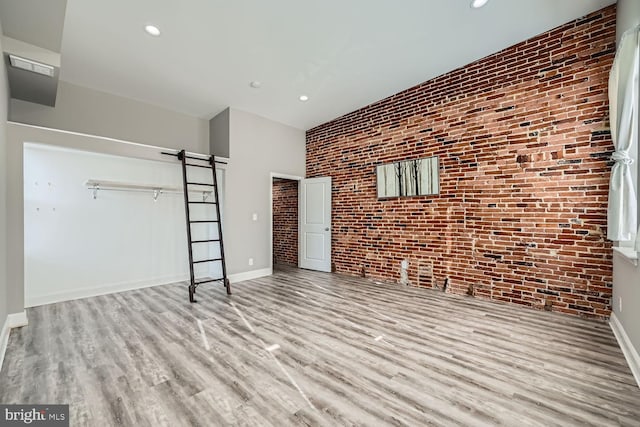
(315,224)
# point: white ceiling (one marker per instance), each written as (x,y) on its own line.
(344,54)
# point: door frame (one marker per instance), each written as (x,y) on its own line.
(281,176)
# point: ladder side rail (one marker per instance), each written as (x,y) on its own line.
(227,284)
(192,284)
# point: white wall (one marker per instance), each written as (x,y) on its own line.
(89,111)
(17,136)
(625,319)
(4,101)
(77,246)
(257,147)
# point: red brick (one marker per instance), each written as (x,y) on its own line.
(523,141)
(285,222)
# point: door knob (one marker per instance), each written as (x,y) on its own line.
(327,229)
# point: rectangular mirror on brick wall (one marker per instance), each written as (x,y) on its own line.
(419,177)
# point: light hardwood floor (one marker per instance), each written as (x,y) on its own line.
(308,348)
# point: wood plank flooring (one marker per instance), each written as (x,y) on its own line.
(308,348)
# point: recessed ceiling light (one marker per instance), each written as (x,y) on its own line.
(255,84)
(152,30)
(478,3)
(303,98)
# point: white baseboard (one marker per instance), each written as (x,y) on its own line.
(34,301)
(4,340)
(15,320)
(629,351)
(248,275)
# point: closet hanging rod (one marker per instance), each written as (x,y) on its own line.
(96,185)
(104,184)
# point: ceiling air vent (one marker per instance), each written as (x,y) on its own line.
(33,66)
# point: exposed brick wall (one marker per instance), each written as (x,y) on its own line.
(523,141)
(285,221)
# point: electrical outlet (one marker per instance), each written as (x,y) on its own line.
(250,261)
(254,217)
(620,304)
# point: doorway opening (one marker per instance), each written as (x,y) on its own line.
(285,222)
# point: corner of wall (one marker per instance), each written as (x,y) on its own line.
(219,134)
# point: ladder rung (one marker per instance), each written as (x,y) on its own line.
(203,203)
(208,280)
(205,241)
(198,166)
(196,158)
(204,221)
(201,183)
(207,260)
